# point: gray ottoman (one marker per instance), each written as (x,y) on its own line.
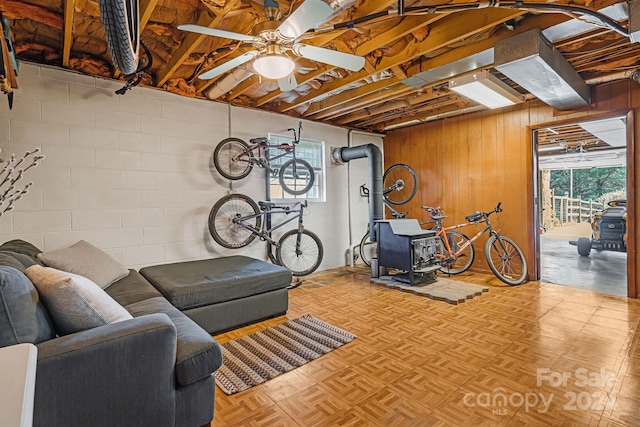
(223,293)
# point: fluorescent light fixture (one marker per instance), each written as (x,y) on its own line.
(486,89)
(535,64)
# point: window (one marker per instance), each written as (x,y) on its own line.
(310,150)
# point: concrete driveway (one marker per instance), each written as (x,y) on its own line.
(602,271)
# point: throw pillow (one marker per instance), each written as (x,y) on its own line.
(23,319)
(86,260)
(75,303)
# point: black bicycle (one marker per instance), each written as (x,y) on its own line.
(236,220)
(234,159)
(400,185)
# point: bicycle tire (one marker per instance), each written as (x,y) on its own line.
(221,226)
(310,256)
(121,22)
(296,176)
(462,262)
(368,249)
(508,264)
(399,171)
(226,162)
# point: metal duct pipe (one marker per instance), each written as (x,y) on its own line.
(227,83)
(373,153)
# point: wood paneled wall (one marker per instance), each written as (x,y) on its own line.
(471,162)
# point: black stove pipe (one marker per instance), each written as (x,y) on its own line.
(373,153)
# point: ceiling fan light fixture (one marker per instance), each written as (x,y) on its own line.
(273,66)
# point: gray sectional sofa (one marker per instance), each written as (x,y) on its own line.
(152,368)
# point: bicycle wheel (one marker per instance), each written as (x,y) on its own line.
(456,264)
(296,176)
(399,174)
(300,262)
(506,260)
(221,226)
(233,158)
(121,22)
(368,249)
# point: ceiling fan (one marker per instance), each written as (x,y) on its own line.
(272,39)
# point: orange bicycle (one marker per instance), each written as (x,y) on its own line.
(456,251)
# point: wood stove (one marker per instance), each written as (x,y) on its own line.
(405,246)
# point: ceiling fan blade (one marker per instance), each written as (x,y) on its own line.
(288,83)
(309,14)
(218,33)
(331,57)
(223,68)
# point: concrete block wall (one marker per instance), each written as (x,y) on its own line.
(133,174)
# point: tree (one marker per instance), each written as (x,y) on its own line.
(589,184)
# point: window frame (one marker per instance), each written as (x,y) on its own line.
(319,183)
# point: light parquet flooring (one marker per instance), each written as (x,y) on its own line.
(536,354)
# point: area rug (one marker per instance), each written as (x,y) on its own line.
(443,289)
(261,356)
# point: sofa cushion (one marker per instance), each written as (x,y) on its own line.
(8,259)
(21,247)
(132,288)
(74,302)
(193,284)
(86,260)
(19,251)
(198,354)
(23,319)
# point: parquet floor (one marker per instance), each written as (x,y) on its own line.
(536,354)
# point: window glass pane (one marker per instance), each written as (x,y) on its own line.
(309,150)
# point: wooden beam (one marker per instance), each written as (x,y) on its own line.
(146,9)
(429,115)
(453,28)
(359,97)
(307,77)
(244,86)
(367,8)
(406,26)
(373,98)
(69,11)
(190,42)
(389,106)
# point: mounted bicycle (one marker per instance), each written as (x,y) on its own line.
(400,185)
(234,159)
(236,220)
(456,251)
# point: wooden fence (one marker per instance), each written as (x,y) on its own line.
(567,210)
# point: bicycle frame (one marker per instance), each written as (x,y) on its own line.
(442,233)
(264,232)
(261,145)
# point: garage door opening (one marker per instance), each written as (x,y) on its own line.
(581,185)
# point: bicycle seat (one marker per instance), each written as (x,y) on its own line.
(266,205)
(261,140)
(474,217)
(438,217)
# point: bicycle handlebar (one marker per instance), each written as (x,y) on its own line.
(433,211)
(497,209)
